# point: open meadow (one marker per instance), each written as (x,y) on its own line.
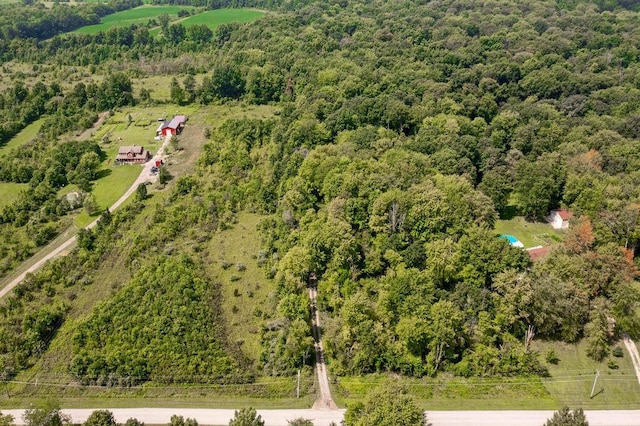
(10,190)
(26,135)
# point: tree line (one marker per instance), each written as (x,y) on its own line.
(40,23)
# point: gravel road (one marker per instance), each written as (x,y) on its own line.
(325,417)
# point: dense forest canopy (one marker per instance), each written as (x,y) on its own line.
(405,131)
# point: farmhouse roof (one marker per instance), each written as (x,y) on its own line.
(133,149)
(131,153)
(537,253)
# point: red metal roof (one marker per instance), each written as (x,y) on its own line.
(538,253)
(564,214)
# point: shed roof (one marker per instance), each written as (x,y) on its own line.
(537,253)
(564,214)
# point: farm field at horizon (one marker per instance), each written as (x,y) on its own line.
(143,14)
(138,15)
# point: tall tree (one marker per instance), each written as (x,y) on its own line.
(387,405)
(246,417)
(45,413)
(100,418)
(566,417)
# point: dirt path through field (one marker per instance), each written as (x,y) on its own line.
(89,132)
(324,401)
(633,352)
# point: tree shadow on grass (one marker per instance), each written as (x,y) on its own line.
(508,213)
(103,173)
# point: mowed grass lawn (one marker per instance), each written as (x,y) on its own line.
(139,15)
(531,234)
(571,380)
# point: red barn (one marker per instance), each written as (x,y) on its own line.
(173,127)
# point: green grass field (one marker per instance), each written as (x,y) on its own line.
(213,18)
(453,393)
(139,15)
(26,135)
(569,383)
(246,291)
(531,234)
(10,192)
(571,380)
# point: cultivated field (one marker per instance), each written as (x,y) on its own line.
(213,18)
(139,15)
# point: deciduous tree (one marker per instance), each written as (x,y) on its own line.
(566,417)
(246,417)
(388,405)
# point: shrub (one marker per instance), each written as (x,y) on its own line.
(552,357)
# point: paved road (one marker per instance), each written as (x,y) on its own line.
(324,401)
(325,417)
(61,249)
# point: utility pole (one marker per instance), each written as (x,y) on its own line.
(595,380)
(298,388)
